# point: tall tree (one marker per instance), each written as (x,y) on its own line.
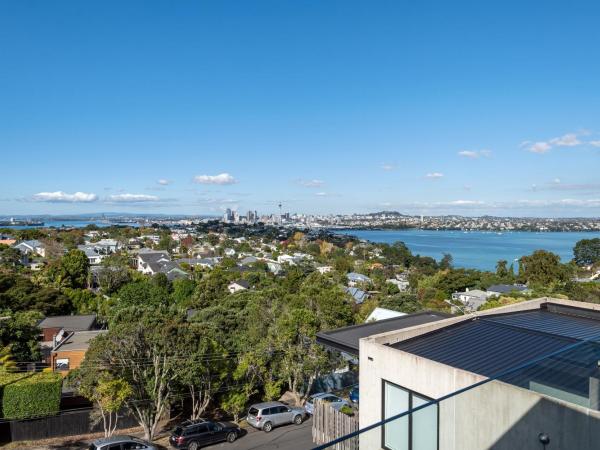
(587,251)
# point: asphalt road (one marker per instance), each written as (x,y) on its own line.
(288,437)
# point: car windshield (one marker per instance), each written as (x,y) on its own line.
(178,431)
(253,412)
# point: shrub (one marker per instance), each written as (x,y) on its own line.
(29,395)
(347,410)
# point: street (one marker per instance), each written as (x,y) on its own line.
(289,437)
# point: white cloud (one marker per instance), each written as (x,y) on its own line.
(434,175)
(388,167)
(63,197)
(595,143)
(475,154)
(540,147)
(222,178)
(133,198)
(567,140)
(311,183)
(321,194)
(556,181)
(163,182)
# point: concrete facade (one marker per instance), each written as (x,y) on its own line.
(493,415)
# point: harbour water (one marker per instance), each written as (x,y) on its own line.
(477,249)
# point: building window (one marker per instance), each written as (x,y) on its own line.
(416,431)
(61,364)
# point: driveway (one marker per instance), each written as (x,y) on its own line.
(288,437)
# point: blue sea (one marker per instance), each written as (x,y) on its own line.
(477,249)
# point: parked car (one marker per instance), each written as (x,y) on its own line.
(194,434)
(121,443)
(265,416)
(354,395)
(335,401)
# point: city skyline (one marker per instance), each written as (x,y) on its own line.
(329,107)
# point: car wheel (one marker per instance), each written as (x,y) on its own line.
(267,427)
(231,437)
(298,419)
(193,446)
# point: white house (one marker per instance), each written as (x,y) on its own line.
(150,262)
(382,314)
(236,286)
(32,247)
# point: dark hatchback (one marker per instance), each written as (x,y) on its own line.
(196,434)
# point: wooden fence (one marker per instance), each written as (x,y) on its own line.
(329,424)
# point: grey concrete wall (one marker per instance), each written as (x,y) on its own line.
(379,362)
(499,416)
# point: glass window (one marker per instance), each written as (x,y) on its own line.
(62,364)
(395,401)
(417,431)
(424,425)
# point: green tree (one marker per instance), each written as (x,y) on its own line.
(144,354)
(73,268)
(10,257)
(587,252)
(107,393)
(113,274)
(542,268)
(501,268)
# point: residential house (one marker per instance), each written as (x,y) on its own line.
(357,278)
(471,298)
(236,286)
(506,289)
(357,294)
(70,351)
(149,262)
(31,247)
(7,239)
(520,376)
(248,260)
(402,285)
(53,326)
(324,269)
(95,253)
(383,314)
(274,267)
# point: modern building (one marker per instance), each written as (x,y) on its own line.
(508,378)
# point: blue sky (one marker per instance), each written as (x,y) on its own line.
(326,106)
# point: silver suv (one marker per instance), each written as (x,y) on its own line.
(265,416)
(121,443)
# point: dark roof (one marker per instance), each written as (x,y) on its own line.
(490,345)
(242,283)
(506,288)
(347,339)
(70,323)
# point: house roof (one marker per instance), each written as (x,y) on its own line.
(78,340)
(382,314)
(358,294)
(506,288)
(490,345)
(69,323)
(242,283)
(347,339)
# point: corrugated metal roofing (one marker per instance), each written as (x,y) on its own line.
(491,345)
(347,338)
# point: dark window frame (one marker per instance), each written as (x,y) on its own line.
(410,416)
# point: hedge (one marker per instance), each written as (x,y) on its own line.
(28,395)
